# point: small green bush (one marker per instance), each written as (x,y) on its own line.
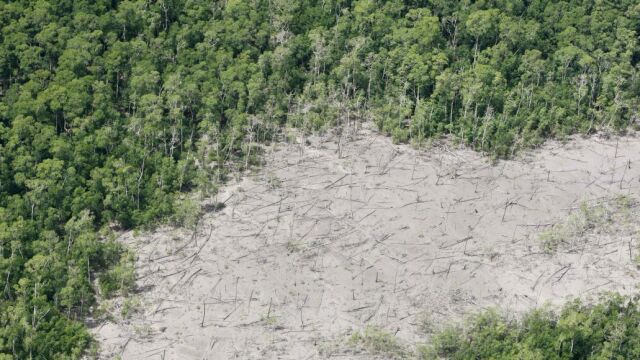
(186,213)
(376,341)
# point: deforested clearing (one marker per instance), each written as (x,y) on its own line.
(341,233)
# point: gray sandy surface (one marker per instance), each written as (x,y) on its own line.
(326,239)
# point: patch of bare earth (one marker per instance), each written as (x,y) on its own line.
(330,237)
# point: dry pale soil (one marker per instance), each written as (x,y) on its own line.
(335,234)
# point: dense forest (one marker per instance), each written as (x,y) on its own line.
(110,109)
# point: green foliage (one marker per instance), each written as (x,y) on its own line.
(378,342)
(129,306)
(613,216)
(120,278)
(607,330)
(187,213)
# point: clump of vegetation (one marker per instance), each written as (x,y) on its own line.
(214,207)
(293,245)
(607,330)
(187,213)
(603,216)
(269,320)
(376,341)
(143,331)
(273,181)
(426,324)
(130,306)
(120,279)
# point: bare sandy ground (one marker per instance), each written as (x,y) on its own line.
(327,239)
